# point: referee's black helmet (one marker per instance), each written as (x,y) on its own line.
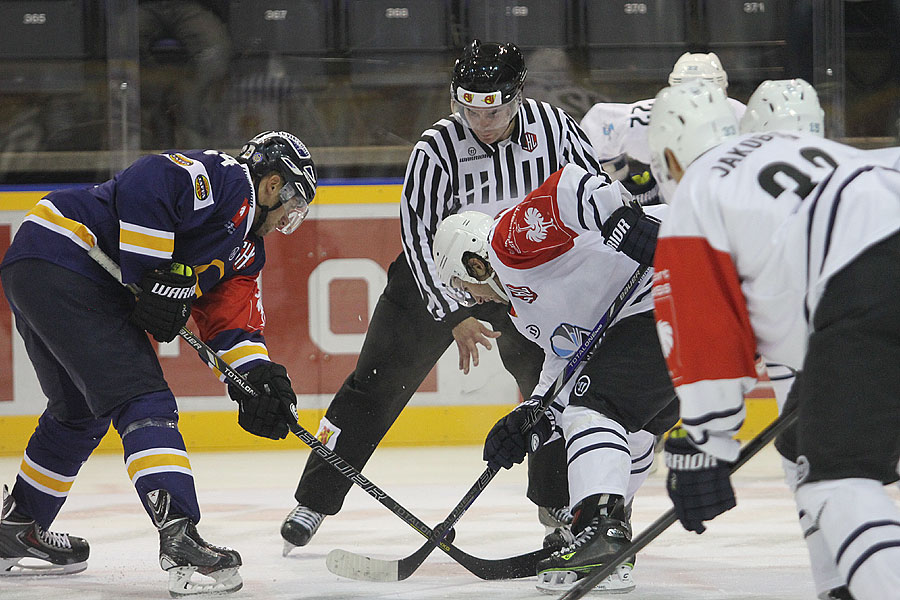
(489,67)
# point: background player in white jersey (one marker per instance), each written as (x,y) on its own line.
(495,147)
(187,228)
(552,259)
(618,132)
(786,244)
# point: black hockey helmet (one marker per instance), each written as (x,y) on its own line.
(285,154)
(488,67)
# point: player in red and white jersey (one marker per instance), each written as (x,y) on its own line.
(618,131)
(553,258)
(784,244)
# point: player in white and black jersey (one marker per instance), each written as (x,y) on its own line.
(487,155)
(618,131)
(553,259)
(786,244)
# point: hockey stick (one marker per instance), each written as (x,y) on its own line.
(656,528)
(515,567)
(354,566)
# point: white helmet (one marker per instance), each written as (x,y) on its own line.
(688,119)
(698,66)
(790,104)
(456,236)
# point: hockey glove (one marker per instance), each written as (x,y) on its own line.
(512,437)
(164,304)
(265,415)
(643,188)
(629,231)
(698,484)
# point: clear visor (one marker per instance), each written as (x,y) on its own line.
(493,119)
(459,292)
(295,208)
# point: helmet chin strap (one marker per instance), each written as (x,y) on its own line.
(262,212)
(492,282)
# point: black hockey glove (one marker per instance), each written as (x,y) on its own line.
(265,415)
(511,437)
(164,304)
(643,188)
(698,484)
(629,231)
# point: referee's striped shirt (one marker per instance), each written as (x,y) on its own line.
(451,170)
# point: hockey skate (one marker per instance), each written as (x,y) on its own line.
(182,553)
(601,538)
(26,549)
(557,526)
(299,526)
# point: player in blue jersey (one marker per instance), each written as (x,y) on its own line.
(187,228)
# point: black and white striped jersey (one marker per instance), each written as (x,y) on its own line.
(451,170)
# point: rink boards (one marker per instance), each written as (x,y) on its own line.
(319,287)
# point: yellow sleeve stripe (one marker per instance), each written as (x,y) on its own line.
(144,240)
(241,354)
(54,484)
(47,215)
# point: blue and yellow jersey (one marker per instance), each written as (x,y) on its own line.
(194,207)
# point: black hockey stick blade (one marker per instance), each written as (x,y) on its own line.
(366,568)
(656,528)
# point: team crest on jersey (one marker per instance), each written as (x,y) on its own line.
(246,256)
(180,159)
(567,339)
(522,292)
(530,142)
(201,187)
(238,217)
(532,231)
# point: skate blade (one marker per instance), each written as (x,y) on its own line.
(30,567)
(224,581)
(287,548)
(555,582)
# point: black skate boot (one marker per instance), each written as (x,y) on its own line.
(605,533)
(557,524)
(182,552)
(299,526)
(26,549)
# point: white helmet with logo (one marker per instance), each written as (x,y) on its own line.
(457,237)
(698,66)
(789,104)
(688,119)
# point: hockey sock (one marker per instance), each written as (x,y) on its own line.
(824,570)
(155,455)
(597,453)
(52,459)
(861,527)
(641,445)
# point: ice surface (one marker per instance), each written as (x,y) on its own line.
(754,551)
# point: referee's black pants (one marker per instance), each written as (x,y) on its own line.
(402,345)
